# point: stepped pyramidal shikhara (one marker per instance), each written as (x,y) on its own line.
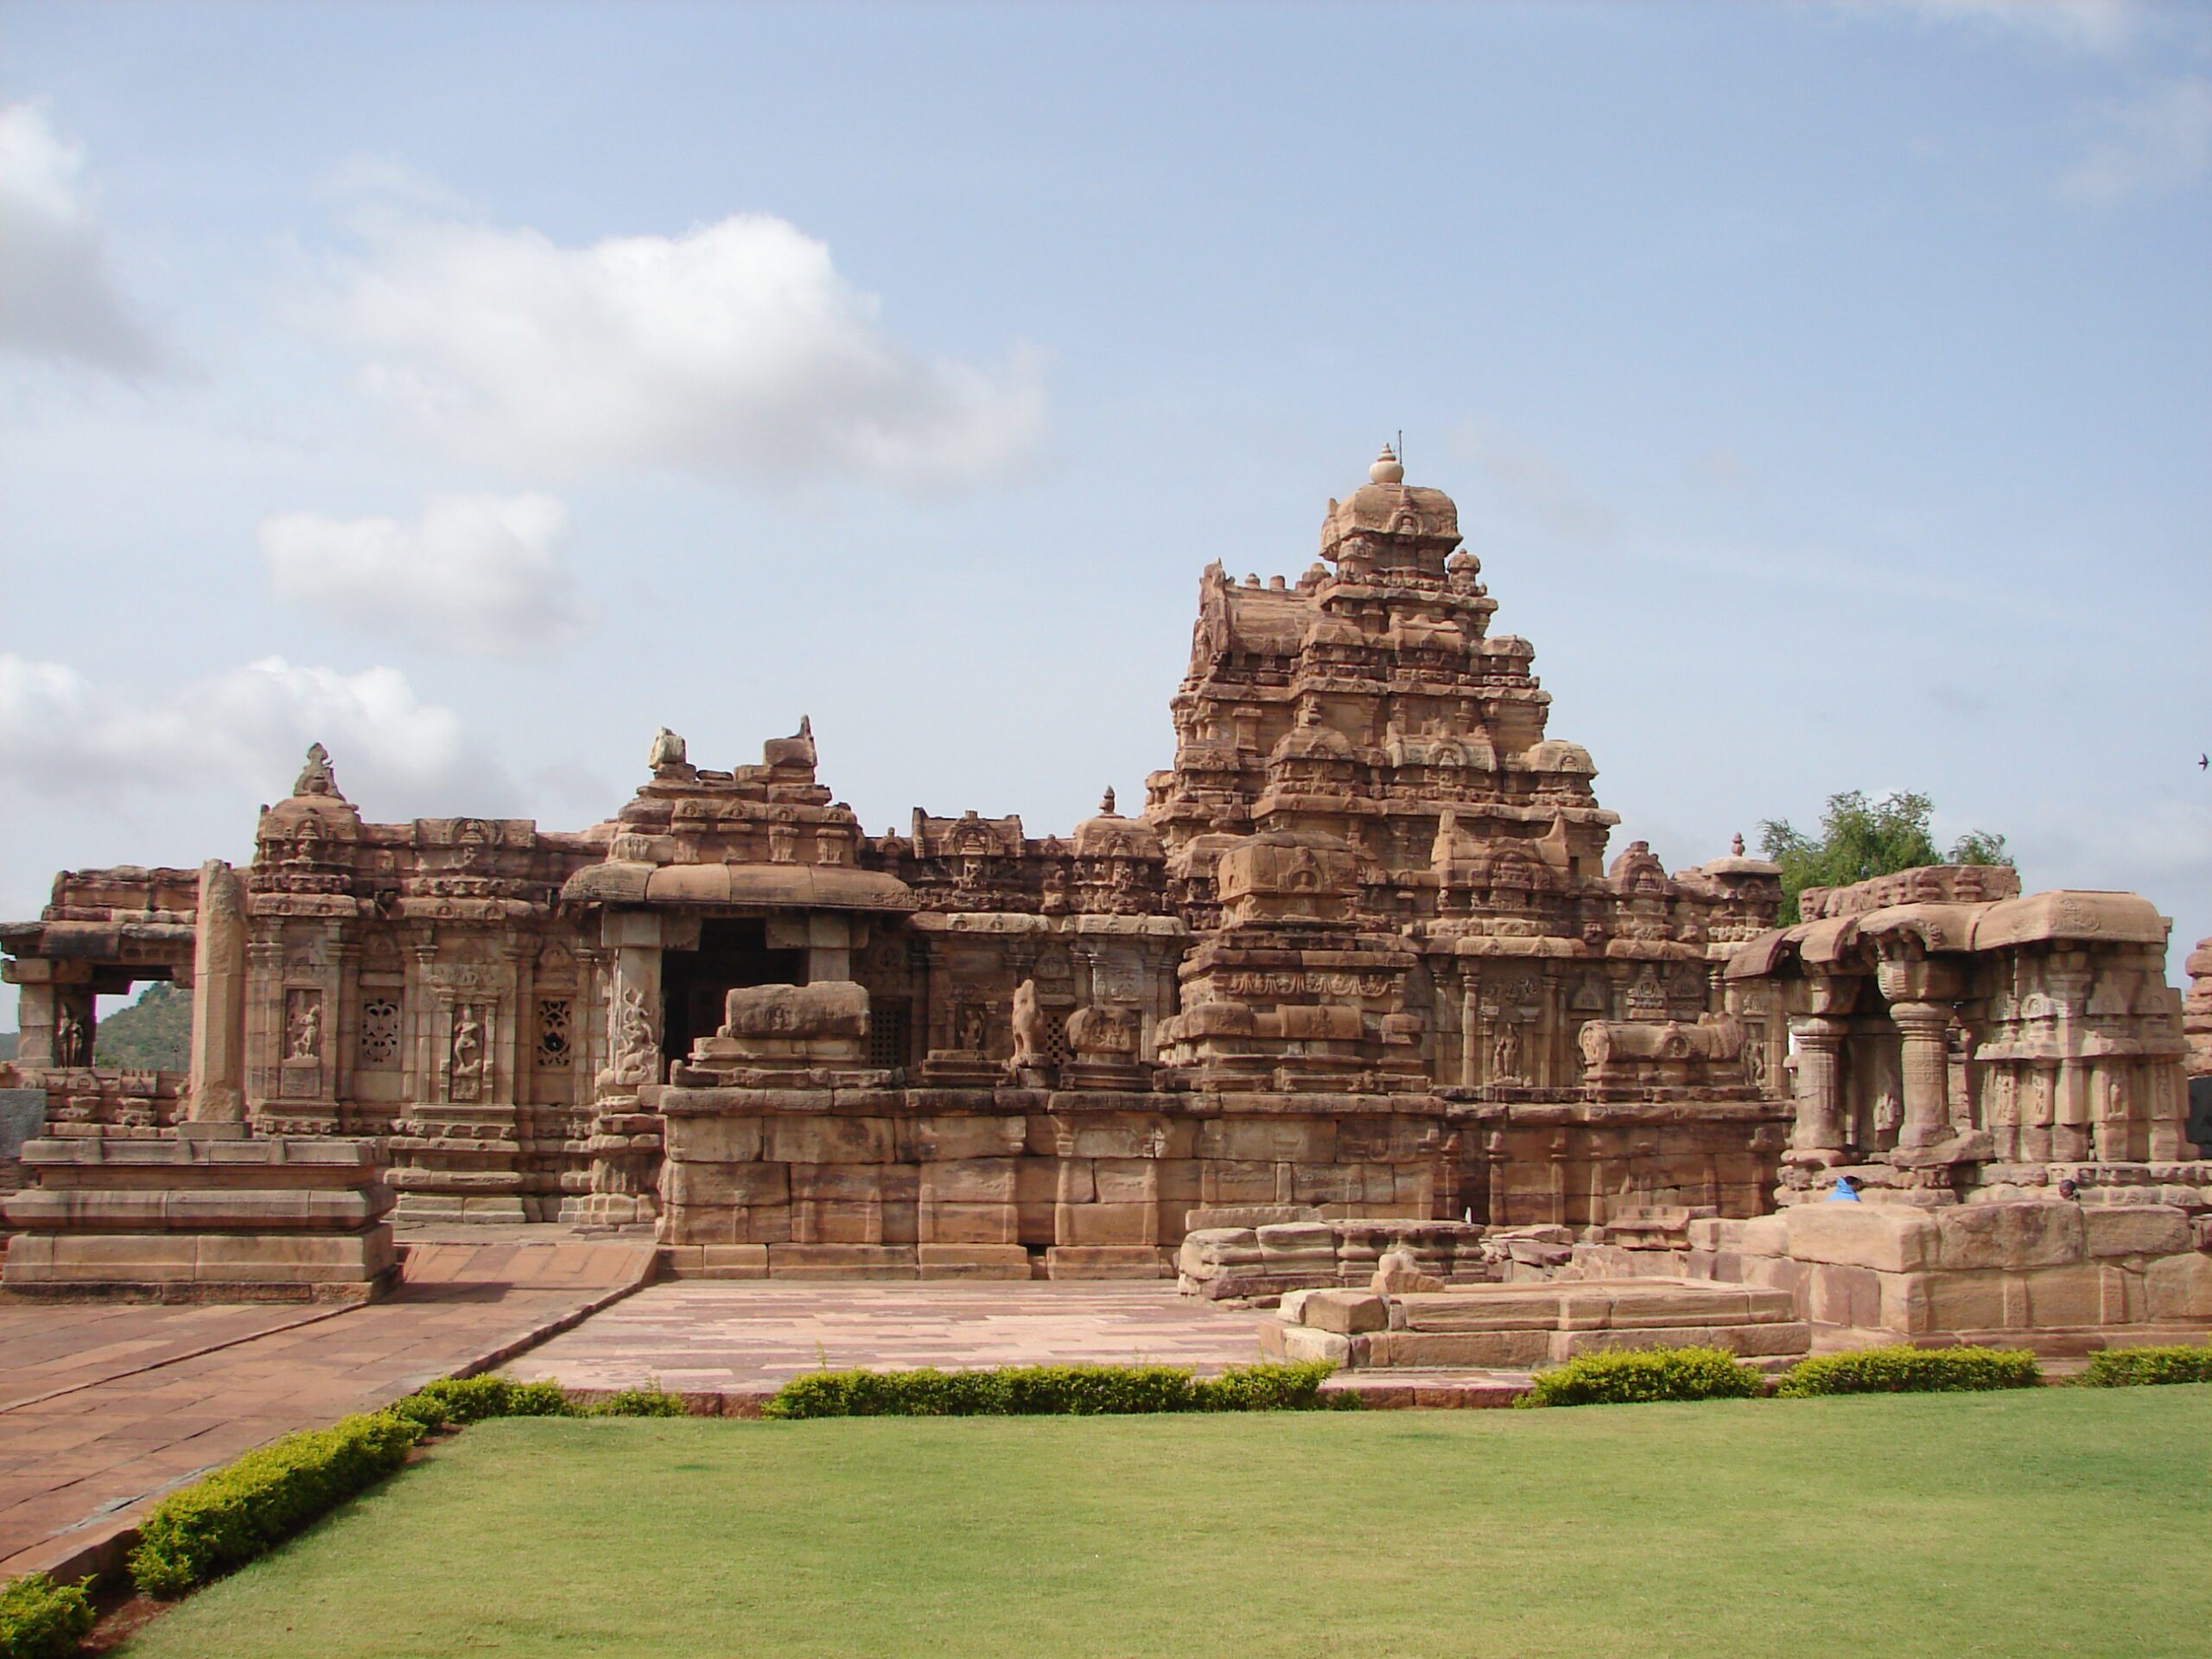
(1363,968)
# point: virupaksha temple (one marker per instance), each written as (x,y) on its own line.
(1357,1015)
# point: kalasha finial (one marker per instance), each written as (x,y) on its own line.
(1386,469)
(1736,845)
(315,777)
(1106,803)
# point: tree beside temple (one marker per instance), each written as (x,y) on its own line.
(1860,839)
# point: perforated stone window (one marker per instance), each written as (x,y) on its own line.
(553,1040)
(887,1034)
(379,1033)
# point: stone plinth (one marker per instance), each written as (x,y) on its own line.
(862,1177)
(459,1163)
(209,1217)
(1584,1163)
(1519,1326)
(2056,1275)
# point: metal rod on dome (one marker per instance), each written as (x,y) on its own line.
(1401,446)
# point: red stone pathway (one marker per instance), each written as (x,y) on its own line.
(744,1339)
(103,1408)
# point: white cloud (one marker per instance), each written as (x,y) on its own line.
(2159,141)
(735,349)
(2099,25)
(478,573)
(58,298)
(63,737)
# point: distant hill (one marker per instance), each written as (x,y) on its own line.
(7,1045)
(153,1034)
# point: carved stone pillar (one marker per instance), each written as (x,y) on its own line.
(1470,1030)
(218,1075)
(33,1012)
(1820,1085)
(1926,1068)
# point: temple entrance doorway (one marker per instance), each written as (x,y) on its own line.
(733,952)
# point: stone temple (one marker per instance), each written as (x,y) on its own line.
(1361,973)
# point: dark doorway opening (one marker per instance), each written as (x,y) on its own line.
(694,984)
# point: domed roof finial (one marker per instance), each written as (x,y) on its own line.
(1387,468)
(1106,803)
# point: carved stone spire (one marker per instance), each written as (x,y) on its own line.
(1106,803)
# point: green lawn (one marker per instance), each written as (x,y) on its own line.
(2050,1522)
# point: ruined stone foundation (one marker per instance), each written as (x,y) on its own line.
(209,1217)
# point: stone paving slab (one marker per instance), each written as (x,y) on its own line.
(749,1337)
(45,1347)
(90,1442)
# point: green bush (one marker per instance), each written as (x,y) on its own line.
(1291,1387)
(2125,1368)
(1048,1390)
(41,1619)
(651,1401)
(1900,1370)
(1635,1375)
(226,1519)
(456,1401)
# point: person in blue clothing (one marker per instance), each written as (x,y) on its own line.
(1846,1189)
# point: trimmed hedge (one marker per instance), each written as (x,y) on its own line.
(1900,1370)
(1639,1375)
(229,1517)
(2128,1368)
(456,1401)
(651,1401)
(41,1619)
(1054,1391)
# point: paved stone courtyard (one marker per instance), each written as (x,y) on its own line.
(104,1407)
(749,1337)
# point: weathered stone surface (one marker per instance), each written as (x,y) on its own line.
(1399,1274)
(2149,1229)
(1344,1312)
(2180,1287)
(1889,1238)
(2015,1236)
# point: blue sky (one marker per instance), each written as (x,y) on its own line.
(477,389)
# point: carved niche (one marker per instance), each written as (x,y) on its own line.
(468,1051)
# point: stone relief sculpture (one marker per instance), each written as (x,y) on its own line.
(1505,1054)
(467,1073)
(68,1038)
(637,1053)
(1029,1031)
(303,1030)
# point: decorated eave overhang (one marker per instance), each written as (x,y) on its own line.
(90,941)
(766,886)
(2068,916)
